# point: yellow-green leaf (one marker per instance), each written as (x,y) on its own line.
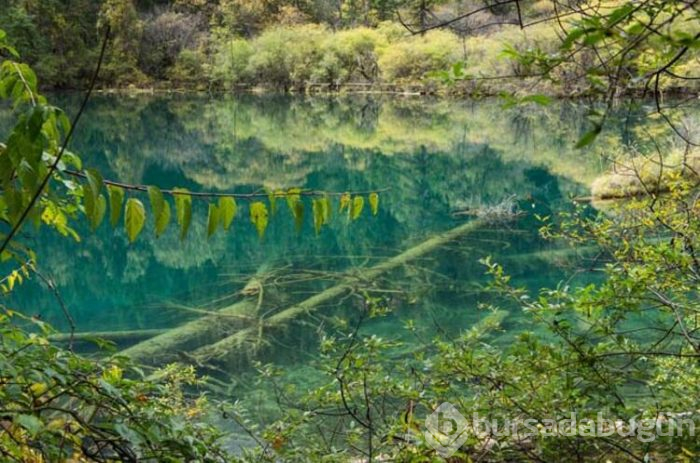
(157,201)
(298,212)
(358,203)
(227,210)
(213,219)
(163,219)
(134,218)
(293,197)
(296,206)
(95,207)
(183,210)
(326,209)
(94,181)
(344,201)
(258,216)
(100,210)
(317,209)
(272,196)
(374,203)
(116,198)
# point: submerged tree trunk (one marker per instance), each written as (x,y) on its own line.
(231,345)
(175,343)
(115,336)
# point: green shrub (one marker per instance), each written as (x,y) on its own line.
(231,63)
(59,406)
(350,55)
(285,56)
(412,58)
(188,67)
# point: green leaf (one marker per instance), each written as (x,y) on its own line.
(213,219)
(160,208)
(227,208)
(296,206)
(116,198)
(298,212)
(258,216)
(183,209)
(293,197)
(358,203)
(157,201)
(344,201)
(30,423)
(272,196)
(619,14)
(94,203)
(89,203)
(589,137)
(163,219)
(100,210)
(326,209)
(542,100)
(317,210)
(134,219)
(572,37)
(374,203)
(94,181)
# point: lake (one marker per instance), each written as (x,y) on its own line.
(428,158)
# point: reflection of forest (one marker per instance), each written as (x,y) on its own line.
(280,141)
(435,156)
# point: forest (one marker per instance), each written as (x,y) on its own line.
(357,44)
(349,231)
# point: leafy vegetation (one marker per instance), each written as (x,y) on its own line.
(235,44)
(59,406)
(625,345)
(625,349)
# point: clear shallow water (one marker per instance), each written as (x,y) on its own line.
(433,157)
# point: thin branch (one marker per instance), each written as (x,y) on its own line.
(54,166)
(71,321)
(212,194)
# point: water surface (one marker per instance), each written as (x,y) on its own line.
(432,157)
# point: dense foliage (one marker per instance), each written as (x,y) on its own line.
(228,44)
(56,405)
(625,349)
(59,406)
(627,346)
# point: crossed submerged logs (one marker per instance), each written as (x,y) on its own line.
(220,335)
(173,344)
(230,346)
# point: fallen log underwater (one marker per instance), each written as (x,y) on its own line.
(229,345)
(216,336)
(166,346)
(114,336)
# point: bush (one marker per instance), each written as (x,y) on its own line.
(286,56)
(59,406)
(188,67)
(350,55)
(231,63)
(166,34)
(414,57)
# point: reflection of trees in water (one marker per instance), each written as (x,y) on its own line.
(251,134)
(434,156)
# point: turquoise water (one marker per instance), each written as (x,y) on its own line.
(432,157)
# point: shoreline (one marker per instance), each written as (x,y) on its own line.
(457,92)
